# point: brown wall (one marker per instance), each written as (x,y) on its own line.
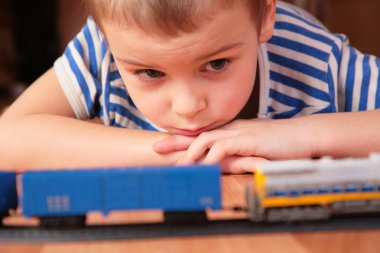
(7,49)
(67,17)
(359,20)
(71,17)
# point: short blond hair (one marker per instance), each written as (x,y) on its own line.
(166,17)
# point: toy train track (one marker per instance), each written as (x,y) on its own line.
(298,195)
(157,230)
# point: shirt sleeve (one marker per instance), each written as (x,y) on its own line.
(79,71)
(358,79)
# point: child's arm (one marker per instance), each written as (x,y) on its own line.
(40,131)
(337,135)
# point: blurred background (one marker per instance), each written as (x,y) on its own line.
(34,33)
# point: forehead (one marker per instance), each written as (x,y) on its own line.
(225,27)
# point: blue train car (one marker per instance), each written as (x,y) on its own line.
(8,192)
(76,192)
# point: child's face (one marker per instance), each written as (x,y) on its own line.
(194,82)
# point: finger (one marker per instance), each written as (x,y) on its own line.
(200,145)
(238,146)
(239,165)
(172,143)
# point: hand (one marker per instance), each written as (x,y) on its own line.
(258,138)
(240,164)
(232,164)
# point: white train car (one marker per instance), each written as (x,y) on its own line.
(296,190)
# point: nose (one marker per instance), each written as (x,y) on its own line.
(187,101)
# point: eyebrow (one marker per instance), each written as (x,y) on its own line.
(209,55)
(222,49)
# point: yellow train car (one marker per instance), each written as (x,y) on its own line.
(297,190)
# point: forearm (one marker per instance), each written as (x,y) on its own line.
(47,141)
(344,134)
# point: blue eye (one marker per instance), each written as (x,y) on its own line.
(149,74)
(217,65)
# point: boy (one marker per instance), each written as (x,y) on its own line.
(178,75)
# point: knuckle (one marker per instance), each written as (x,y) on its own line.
(203,136)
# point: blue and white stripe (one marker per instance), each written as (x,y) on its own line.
(314,71)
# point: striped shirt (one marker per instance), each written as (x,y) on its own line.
(304,69)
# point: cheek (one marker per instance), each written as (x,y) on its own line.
(152,105)
(149,104)
(239,91)
(231,102)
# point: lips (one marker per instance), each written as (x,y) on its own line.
(195,132)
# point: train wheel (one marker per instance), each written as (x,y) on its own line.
(297,213)
(255,210)
(2,216)
(317,213)
(185,217)
(63,222)
(277,214)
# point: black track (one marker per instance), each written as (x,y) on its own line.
(154,230)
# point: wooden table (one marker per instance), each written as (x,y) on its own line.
(364,241)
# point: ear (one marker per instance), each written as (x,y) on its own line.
(267,24)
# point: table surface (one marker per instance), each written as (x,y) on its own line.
(233,194)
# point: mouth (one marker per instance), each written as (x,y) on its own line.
(191,132)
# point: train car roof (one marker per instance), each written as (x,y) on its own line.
(311,165)
(321,171)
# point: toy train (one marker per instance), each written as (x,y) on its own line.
(314,189)
(63,198)
(8,193)
(281,191)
